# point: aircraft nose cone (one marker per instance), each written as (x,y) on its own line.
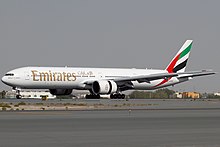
(3,79)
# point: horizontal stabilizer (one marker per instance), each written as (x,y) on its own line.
(195,73)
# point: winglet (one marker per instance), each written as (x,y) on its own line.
(178,63)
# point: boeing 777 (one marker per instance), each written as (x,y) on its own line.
(100,81)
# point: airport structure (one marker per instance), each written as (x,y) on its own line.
(178,95)
(217,93)
(193,95)
(31,94)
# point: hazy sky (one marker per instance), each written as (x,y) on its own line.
(111,33)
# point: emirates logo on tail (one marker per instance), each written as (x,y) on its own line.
(178,63)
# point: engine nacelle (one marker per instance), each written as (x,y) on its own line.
(61,91)
(104,87)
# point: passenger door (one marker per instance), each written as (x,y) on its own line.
(27,75)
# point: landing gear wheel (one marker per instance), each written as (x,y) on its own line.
(92,96)
(117,96)
(18,96)
(123,96)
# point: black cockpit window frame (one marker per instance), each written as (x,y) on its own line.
(9,74)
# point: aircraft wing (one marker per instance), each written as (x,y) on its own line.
(139,78)
(195,74)
(151,77)
(146,78)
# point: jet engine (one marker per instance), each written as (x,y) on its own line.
(104,87)
(61,91)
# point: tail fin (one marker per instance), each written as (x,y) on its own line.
(178,63)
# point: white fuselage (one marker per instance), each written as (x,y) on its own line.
(99,81)
(74,78)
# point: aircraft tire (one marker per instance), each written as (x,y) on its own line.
(18,96)
(117,96)
(92,96)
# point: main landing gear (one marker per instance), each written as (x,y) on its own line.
(117,96)
(92,96)
(112,96)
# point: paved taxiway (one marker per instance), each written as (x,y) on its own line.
(138,128)
(118,104)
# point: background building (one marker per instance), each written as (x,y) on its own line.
(193,95)
(178,95)
(217,93)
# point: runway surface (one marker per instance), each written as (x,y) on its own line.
(123,104)
(121,128)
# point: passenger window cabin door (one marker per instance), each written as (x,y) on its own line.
(27,75)
(100,75)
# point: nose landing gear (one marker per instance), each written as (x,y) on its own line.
(18,95)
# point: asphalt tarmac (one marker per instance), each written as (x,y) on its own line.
(130,104)
(112,128)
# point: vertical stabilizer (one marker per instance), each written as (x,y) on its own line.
(178,63)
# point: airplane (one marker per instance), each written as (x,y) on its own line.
(102,81)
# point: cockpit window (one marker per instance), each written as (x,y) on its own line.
(9,74)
